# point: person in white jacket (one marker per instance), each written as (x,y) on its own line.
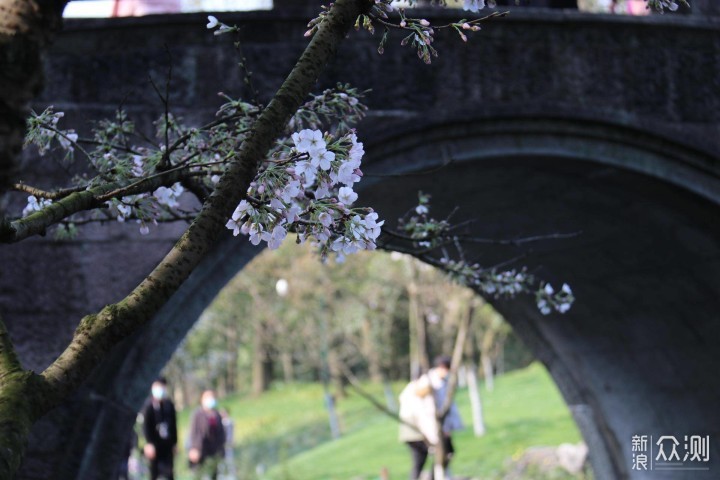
(419,402)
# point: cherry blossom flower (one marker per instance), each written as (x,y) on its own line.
(473,5)
(347,196)
(309,141)
(67,140)
(372,225)
(322,159)
(169,196)
(124,211)
(137,169)
(35,205)
(212,22)
(275,238)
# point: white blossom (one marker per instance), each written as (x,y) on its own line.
(124,211)
(372,225)
(326,219)
(275,238)
(309,141)
(347,196)
(169,196)
(212,22)
(35,205)
(137,169)
(67,140)
(322,159)
(473,5)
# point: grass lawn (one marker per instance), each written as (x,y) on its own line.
(287,431)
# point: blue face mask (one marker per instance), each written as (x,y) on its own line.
(158,392)
(209,403)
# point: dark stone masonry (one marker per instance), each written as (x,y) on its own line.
(551,121)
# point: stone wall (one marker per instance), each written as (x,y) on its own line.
(555,121)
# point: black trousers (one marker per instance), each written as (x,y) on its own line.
(162,467)
(419,452)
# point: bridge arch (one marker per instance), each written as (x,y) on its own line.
(549,154)
(629,358)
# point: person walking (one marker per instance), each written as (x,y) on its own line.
(419,402)
(160,429)
(206,437)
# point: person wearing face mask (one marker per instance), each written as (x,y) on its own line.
(207,437)
(431,389)
(160,429)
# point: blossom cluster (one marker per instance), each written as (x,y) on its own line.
(144,208)
(43,129)
(219,27)
(35,204)
(508,284)
(473,5)
(308,190)
(430,234)
(548,299)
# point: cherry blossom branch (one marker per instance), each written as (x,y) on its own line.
(152,182)
(96,334)
(38,222)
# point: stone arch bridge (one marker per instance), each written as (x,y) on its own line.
(548,121)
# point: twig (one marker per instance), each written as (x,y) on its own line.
(54,195)
(355,385)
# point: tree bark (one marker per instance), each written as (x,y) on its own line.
(286,359)
(26,28)
(475,400)
(444,409)
(260,380)
(27,396)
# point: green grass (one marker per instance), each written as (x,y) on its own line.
(288,428)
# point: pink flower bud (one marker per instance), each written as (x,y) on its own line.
(424,23)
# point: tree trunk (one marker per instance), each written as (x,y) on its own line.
(487,367)
(371,352)
(336,376)
(475,401)
(286,360)
(26,28)
(419,356)
(258,361)
(233,345)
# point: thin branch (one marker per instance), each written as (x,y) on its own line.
(148,184)
(74,143)
(492,241)
(357,386)
(90,141)
(54,195)
(455,364)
